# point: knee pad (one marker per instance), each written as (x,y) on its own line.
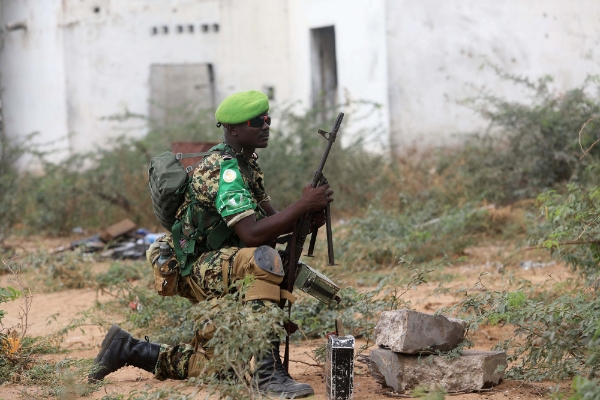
(265,264)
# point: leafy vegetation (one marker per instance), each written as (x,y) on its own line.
(531,146)
(574,221)
(554,338)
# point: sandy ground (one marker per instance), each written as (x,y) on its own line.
(50,311)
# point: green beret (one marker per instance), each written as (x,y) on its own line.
(240,107)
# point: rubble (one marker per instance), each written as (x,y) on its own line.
(474,370)
(119,241)
(412,332)
(117,230)
(406,362)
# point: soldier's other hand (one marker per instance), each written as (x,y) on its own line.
(316,199)
(318,220)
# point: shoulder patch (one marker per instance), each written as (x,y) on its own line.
(229,175)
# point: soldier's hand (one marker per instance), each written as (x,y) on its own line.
(316,199)
(318,220)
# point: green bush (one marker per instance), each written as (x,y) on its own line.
(533,145)
(555,338)
(585,389)
(110,183)
(10,152)
(574,231)
(381,236)
(54,272)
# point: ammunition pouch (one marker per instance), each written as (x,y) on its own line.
(199,361)
(166,272)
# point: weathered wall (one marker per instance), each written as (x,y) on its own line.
(32,67)
(109,47)
(80,61)
(436,48)
(361,55)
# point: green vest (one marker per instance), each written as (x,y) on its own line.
(189,238)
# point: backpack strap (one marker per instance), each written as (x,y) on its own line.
(180,156)
(243,164)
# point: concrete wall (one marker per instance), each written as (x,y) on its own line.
(254,51)
(80,61)
(361,58)
(109,48)
(32,71)
(436,48)
(266,44)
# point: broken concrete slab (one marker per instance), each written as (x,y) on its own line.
(412,332)
(474,370)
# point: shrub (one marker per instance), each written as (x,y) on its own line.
(532,146)
(555,338)
(574,229)
(110,183)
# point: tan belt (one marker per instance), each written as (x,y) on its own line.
(196,289)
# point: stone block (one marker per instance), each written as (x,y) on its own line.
(474,370)
(413,332)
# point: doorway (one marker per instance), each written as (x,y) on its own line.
(324,70)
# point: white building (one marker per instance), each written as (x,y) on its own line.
(65,65)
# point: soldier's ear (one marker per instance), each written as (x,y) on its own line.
(231,129)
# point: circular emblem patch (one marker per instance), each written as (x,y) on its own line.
(229,175)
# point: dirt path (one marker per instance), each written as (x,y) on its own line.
(51,311)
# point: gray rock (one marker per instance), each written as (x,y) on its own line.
(413,332)
(474,370)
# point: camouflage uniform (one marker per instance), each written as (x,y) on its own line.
(206,270)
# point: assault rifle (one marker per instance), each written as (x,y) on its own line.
(307,279)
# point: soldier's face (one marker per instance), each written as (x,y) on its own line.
(254,137)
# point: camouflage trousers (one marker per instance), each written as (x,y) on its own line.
(207,272)
(173,362)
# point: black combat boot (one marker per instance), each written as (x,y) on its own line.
(272,378)
(119,349)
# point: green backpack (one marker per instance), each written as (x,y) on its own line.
(168,180)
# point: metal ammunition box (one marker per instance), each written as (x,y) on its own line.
(339,367)
(316,284)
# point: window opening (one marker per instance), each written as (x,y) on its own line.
(324,70)
(270,92)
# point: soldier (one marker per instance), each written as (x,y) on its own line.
(223,231)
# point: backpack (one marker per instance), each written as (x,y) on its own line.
(168,180)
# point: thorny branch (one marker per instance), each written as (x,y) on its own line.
(593,144)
